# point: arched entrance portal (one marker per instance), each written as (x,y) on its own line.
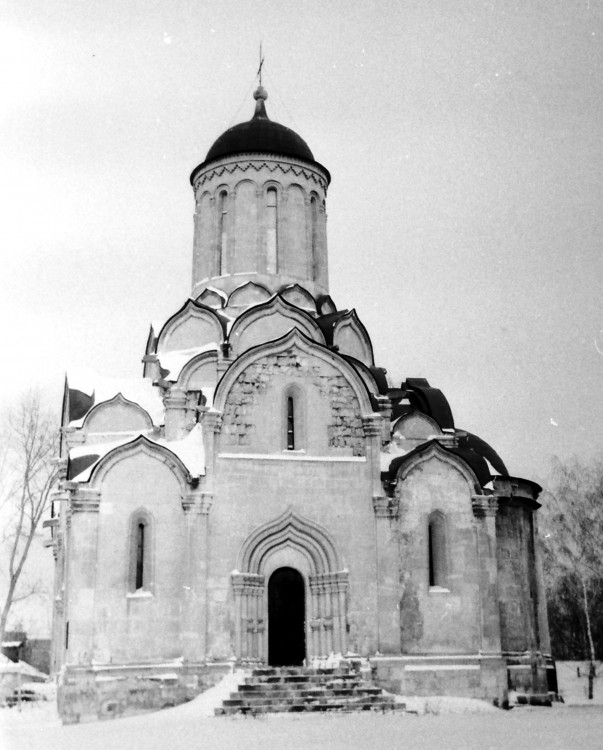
(286,618)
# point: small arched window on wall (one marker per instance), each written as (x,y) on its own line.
(293,419)
(436,538)
(140,573)
(314,235)
(271,230)
(222,233)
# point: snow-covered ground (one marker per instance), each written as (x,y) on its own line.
(439,724)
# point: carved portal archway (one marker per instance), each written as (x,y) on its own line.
(295,542)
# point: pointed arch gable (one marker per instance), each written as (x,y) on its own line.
(139,418)
(352,338)
(294,530)
(193,325)
(269,321)
(141,445)
(401,467)
(299,342)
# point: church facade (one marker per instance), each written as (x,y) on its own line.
(264,495)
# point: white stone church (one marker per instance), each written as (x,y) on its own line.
(264,495)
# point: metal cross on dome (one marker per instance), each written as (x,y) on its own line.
(259,73)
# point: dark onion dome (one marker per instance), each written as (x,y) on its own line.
(259,135)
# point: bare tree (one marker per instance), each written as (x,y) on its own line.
(573,532)
(29,444)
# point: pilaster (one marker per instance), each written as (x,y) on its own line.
(82,530)
(196,507)
(387,586)
(485,508)
(174,402)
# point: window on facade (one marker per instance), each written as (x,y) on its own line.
(222,232)
(271,230)
(140,556)
(140,574)
(436,533)
(293,419)
(290,424)
(314,238)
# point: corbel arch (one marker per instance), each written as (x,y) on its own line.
(140,446)
(352,338)
(194,325)
(133,417)
(294,339)
(248,294)
(269,321)
(200,371)
(435,452)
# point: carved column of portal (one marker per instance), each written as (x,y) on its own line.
(328,632)
(82,533)
(249,616)
(196,508)
(485,508)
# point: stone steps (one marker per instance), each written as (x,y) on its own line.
(297,689)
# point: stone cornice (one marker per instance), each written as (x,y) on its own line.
(372,425)
(85,500)
(385,507)
(484,506)
(269,161)
(197,502)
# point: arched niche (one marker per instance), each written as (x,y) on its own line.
(293,253)
(245,227)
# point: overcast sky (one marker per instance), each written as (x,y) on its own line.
(465,211)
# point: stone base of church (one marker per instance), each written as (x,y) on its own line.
(530,677)
(89,693)
(479,676)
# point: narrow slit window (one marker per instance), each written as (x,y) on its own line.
(271,230)
(140,550)
(222,232)
(314,238)
(290,424)
(436,540)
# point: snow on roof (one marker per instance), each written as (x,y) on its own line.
(393,452)
(12,644)
(174,361)
(190,450)
(20,667)
(139,390)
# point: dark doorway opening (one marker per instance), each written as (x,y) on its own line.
(286,618)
